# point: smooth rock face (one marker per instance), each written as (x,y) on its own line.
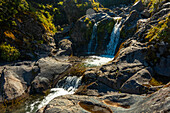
(49,69)
(16,79)
(163,66)
(136,83)
(11,86)
(111,103)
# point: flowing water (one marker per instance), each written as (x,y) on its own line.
(69,84)
(92,61)
(114,39)
(64,87)
(93,40)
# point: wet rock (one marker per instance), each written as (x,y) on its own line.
(89,76)
(113,102)
(83,29)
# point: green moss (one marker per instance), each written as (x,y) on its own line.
(9,53)
(152,4)
(160,32)
(154,82)
(104,27)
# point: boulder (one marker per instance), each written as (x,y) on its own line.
(49,69)
(11,86)
(65,47)
(163,67)
(136,83)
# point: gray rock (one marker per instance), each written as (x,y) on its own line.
(138,6)
(132,17)
(163,67)
(11,87)
(49,69)
(136,83)
(145,13)
(65,46)
(113,102)
(161,13)
(166,5)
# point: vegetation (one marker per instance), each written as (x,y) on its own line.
(154,82)
(160,32)
(8,52)
(152,4)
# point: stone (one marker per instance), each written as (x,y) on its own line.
(138,6)
(136,83)
(163,67)
(113,102)
(49,69)
(11,87)
(65,46)
(132,16)
(145,13)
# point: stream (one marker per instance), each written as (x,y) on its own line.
(69,84)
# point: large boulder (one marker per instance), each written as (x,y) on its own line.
(65,47)
(11,86)
(50,69)
(16,79)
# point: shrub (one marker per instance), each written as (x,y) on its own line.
(8,52)
(160,32)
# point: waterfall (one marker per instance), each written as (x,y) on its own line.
(66,86)
(93,39)
(114,39)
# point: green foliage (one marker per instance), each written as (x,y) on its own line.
(8,52)
(9,9)
(152,4)
(160,32)
(154,82)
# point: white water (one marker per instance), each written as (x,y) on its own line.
(97,60)
(114,39)
(67,86)
(92,40)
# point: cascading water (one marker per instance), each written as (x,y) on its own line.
(64,87)
(111,47)
(93,39)
(114,39)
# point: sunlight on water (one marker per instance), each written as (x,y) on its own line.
(66,86)
(97,60)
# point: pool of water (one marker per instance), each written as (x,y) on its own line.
(93,61)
